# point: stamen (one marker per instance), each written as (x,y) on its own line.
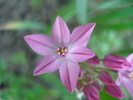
(61,51)
(65,50)
(58,49)
(58,53)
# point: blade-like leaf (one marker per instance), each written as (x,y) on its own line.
(22,25)
(81,7)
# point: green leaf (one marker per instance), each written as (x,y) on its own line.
(120,26)
(67,12)
(110,16)
(22,25)
(81,7)
(113,4)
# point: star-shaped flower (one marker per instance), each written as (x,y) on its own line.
(62,51)
(124,66)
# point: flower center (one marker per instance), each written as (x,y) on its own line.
(62,51)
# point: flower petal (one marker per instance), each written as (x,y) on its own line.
(40,43)
(81,54)
(47,64)
(114,91)
(81,73)
(128,84)
(130,59)
(69,74)
(81,34)
(118,80)
(106,78)
(94,61)
(60,32)
(115,62)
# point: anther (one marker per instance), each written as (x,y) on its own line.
(58,53)
(58,49)
(61,51)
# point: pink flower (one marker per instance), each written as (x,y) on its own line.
(62,51)
(125,70)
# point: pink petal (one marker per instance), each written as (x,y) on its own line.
(81,54)
(106,78)
(40,43)
(114,91)
(130,59)
(115,62)
(47,64)
(118,81)
(81,34)
(128,84)
(60,32)
(69,74)
(81,73)
(94,61)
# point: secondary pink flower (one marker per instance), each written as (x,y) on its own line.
(125,77)
(62,51)
(125,70)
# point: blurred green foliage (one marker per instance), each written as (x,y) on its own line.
(114,24)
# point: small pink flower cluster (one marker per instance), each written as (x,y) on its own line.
(78,65)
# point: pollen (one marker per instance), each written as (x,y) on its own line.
(61,51)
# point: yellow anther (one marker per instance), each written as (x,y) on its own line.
(61,51)
(57,49)
(131,78)
(65,50)
(58,53)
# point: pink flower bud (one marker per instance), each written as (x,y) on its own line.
(91,92)
(115,62)
(88,79)
(93,61)
(79,85)
(96,85)
(114,91)
(106,78)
